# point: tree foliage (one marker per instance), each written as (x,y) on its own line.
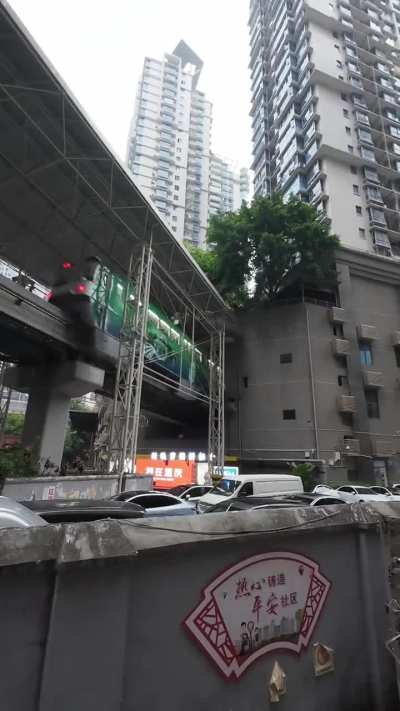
(14,423)
(17,462)
(256,252)
(306,472)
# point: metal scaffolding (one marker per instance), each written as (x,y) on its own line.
(5,397)
(128,384)
(216,421)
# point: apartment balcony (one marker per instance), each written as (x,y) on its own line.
(337,315)
(351,447)
(346,404)
(373,379)
(366,333)
(383,447)
(340,347)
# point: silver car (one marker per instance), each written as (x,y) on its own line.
(156,503)
(14,515)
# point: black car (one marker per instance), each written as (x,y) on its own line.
(274,502)
(79,510)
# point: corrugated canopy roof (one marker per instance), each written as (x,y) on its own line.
(65,195)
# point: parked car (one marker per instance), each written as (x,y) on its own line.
(250,485)
(75,510)
(190,493)
(14,514)
(274,502)
(350,492)
(156,503)
(384,491)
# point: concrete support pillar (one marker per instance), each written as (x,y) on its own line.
(50,389)
(45,423)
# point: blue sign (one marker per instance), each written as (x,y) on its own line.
(231,471)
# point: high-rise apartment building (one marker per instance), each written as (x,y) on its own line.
(228,187)
(326,112)
(169,146)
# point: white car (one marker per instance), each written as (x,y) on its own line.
(351,492)
(190,493)
(384,491)
(15,515)
(156,503)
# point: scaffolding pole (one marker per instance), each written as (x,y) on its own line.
(125,418)
(5,397)
(216,422)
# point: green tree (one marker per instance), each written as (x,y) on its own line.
(305,471)
(76,444)
(206,259)
(17,462)
(269,245)
(14,423)
(291,243)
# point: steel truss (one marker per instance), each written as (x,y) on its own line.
(216,418)
(5,397)
(128,384)
(83,202)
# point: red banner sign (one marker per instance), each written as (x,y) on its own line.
(167,474)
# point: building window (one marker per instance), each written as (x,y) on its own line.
(343,97)
(356,190)
(245,382)
(343,380)
(366,354)
(289,414)
(361,233)
(286,358)
(350,149)
(348,130)
(338,330)
(372,399)
(339,64)
(358,210)
(345,112)
(397,356)
(353,170)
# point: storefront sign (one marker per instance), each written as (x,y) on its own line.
(180,456)
(262,604)
(167,474)
(231,471)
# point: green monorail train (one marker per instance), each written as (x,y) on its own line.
(95,296)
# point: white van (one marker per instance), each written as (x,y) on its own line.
(231,487)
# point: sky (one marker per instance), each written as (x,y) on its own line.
(98,47)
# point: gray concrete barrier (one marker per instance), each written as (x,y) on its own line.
(154,615)
(72,487)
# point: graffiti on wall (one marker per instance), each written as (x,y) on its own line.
(263,604)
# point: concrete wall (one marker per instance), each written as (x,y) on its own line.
(95,612)
(259,387)
(269,332)
(342,203)
(72,487)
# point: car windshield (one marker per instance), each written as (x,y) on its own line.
(225,487)
(177,490)
(364,490)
